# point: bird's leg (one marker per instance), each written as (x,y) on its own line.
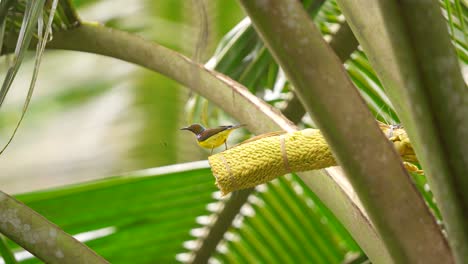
(225,145)
(211,151)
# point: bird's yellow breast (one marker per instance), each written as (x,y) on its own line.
(215,140)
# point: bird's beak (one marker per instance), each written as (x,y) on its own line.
(184,128)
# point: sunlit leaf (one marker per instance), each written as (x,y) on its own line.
(5,252)
(142,217)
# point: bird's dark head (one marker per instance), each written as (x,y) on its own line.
(195,128)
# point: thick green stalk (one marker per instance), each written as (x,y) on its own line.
(237,101)
(39,236)
(294,111)
(418,67)
(93,38)
(374,169)
(221,225)
(343,44)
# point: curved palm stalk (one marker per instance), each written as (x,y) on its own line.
(394,205)
(39,236)
(93,38)
(343,214)
(330,185)
(419,69)
(343,43)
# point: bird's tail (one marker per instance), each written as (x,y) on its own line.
(237,126)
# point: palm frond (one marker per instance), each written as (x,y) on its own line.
(42,40)
(32,13)
(5,252)
(329,19)
(143,215)
(283,215)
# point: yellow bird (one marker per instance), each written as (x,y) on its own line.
(211,137)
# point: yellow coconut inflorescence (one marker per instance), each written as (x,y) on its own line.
(262,160)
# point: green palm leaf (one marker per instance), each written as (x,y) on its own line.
(148,216)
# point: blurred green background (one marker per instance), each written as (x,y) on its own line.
(93,116)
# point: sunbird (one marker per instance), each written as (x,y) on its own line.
(211,137)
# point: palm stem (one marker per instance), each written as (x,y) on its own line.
(41,237)
(330,185)
(372,166)
(419,69)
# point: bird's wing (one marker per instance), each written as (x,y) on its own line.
(270,134)
(207,133)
